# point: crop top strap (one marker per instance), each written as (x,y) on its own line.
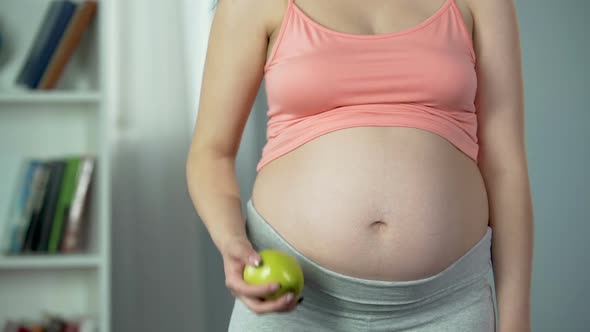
(290,5)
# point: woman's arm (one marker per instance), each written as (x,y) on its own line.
(232,75)
(502,158)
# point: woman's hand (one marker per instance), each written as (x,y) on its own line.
(236,254)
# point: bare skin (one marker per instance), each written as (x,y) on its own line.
(401,203)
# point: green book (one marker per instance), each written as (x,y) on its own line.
(64,202)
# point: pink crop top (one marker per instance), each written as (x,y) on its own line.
(320,80)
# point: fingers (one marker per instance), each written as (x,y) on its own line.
(236,283)
(282,304)
(293,304)
(236,255)
(253,296)
(240,287)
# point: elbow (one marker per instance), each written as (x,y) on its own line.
(200,160)
(192,159)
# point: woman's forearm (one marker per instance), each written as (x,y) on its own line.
(214,191)
(511,218)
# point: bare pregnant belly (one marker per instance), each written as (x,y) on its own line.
(382,203)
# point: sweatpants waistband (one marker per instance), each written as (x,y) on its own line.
(354,292)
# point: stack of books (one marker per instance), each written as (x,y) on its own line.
(48,212)
(51,323)
(57,37)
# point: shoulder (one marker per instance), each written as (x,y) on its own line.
(266,14)
(466,12)
(490,8)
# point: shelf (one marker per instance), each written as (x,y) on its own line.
(80,261)
(72,119)
(57,97)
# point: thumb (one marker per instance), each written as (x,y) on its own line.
(253,258)
(245,253)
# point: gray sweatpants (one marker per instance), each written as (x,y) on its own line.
(458,299)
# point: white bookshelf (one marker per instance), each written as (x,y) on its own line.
(61,262)
(72,119)
(59,97)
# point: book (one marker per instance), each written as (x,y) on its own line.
(55,324)
(20,209)
(36,327)
(56,192)
(72,236)
(81,323)
(64,202)
(30,188)
(45,42)
(50,322)
(88,324)
(79,23)
(72,327)
(54,186)
(38,196)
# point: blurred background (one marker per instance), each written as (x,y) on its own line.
(105,94)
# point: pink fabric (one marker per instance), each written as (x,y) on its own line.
(319,80)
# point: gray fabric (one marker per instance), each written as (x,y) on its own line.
(458,299)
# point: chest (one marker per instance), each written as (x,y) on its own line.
(319,77)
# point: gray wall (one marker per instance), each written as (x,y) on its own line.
(555,55)
(557,138)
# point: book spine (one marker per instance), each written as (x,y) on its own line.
(63,203)
(28,201)
(25,76)
(17,207)
(72,37)
(50,204)
(39,196)
(50,36)
(72,235)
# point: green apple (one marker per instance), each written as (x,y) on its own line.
(276,266)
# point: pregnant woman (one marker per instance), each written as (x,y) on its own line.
(394,169)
